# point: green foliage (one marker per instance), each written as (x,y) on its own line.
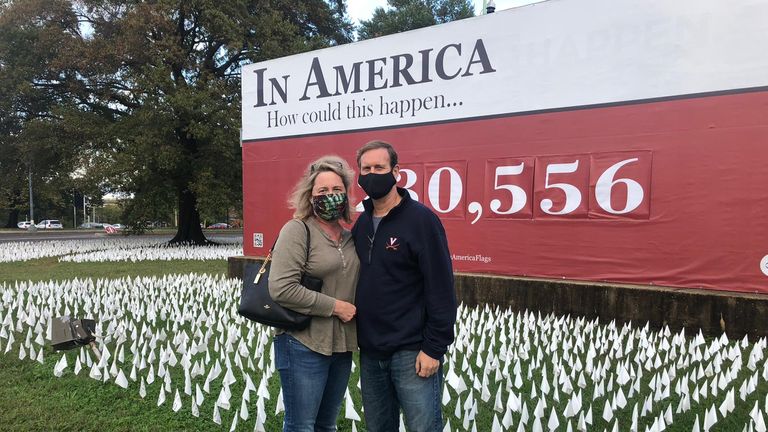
(404,15)
(36,134)
(112,213)
(143,97)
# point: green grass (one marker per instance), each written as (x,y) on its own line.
(683,422)
(51,269)
(32,399)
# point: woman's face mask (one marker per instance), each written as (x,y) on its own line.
(330,207)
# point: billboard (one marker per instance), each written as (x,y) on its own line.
(618,141)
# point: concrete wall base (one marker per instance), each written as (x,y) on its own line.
(738,314)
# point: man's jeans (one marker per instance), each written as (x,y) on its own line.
(313,385)
(391,384)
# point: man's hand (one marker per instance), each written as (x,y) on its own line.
(344,310)
(426,366)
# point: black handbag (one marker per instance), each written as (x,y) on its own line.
(257,305)
(68,333)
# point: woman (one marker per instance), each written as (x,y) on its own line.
(315,363)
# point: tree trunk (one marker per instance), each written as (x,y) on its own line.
(13,218)
(189,230)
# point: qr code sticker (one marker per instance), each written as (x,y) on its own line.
(258,240)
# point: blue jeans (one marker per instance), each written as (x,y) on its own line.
(313,385)
(388,385)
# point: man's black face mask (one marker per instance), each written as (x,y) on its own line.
(377,185)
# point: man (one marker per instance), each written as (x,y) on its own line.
(406,303)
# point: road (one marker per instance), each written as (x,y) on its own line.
(42,235)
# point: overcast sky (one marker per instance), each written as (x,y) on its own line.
(363,9)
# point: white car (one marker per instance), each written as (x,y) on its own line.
(50,224)
(24,224)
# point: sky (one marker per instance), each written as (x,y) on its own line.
(363,9)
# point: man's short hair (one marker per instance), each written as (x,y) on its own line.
(378,144)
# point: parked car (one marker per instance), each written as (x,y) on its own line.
(116,226)
(50,224)
(24,224)
(91,225)
(219,225)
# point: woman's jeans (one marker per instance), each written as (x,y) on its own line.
(313,385)
(391,384)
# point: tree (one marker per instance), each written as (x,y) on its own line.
(33,131)
(157,91)
(404,15)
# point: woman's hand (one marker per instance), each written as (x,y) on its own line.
(345,311)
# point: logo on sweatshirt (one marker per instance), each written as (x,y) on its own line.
(393,244)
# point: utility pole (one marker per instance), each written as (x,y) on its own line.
(32,226)
(31,203)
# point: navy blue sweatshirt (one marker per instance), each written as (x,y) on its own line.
(405,296)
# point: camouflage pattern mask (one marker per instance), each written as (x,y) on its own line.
(329,207)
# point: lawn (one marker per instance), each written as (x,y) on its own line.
(33,399)
(517,369)
(51,269)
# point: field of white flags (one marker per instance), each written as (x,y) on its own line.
(177,343)
(119,248)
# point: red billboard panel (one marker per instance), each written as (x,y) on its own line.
(640,193)
(508,187)
(561,187)
(620,185)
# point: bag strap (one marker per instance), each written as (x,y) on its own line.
(269,254)
(309,236)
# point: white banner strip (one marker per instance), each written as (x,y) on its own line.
(559,53)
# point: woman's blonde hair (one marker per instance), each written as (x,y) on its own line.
(301,197)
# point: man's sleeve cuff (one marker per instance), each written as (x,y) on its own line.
(430,351)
